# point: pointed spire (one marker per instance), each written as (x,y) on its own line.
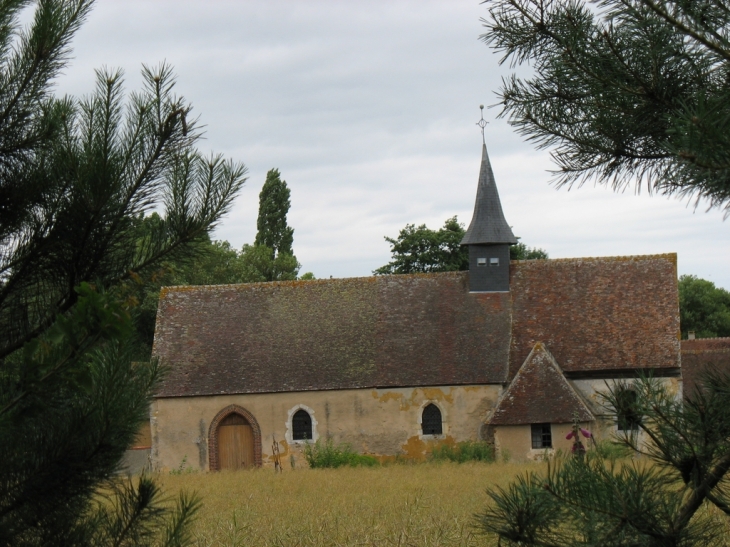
(488,225)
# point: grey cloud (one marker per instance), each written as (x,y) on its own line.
(368,108)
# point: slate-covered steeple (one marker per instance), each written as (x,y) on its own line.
(488,225)
(489,236)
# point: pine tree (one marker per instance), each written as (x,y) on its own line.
(664,498)
(626,91)
(623,91)
(76,177)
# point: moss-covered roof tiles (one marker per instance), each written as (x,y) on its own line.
(386,331)
(417,330)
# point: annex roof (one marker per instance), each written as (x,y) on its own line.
(386,331)
(597,314)
(700,355)
(488,225)
(540,393)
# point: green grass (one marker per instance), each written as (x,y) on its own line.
(467,451)
(327,454)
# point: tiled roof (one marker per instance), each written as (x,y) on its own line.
(401,330)
(539,393)
(700,355)
(597,313)
(417,330)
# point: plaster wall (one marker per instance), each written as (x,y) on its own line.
(592,391)
(382,422)
(515,441)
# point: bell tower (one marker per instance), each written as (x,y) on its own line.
(488,236)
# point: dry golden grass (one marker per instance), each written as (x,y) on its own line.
(430,504)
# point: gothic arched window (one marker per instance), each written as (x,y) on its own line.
(301,424)
(431,420)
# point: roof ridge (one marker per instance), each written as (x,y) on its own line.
(616,258)
(300,282)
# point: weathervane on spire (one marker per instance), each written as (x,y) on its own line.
(482,123)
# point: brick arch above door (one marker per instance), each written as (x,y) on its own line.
(213,457)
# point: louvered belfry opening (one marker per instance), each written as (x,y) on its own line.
(431,420)
(301,424)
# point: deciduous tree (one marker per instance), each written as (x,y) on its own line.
(274,202)
(418,249)
(274,235)
(703,308)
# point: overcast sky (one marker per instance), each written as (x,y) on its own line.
(368,109)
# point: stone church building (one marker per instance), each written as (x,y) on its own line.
(510,352)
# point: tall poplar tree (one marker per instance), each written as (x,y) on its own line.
(76,178)
(271,257)
(274,202)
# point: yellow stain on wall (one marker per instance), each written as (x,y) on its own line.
(388,396)
(418,449)
(418,396)
(415,448)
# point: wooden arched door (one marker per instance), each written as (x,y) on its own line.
(235,443)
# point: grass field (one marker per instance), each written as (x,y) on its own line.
(431,504)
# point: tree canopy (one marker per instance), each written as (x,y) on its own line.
(622,90)
(274,202)
(703,308)
(271,257)
(76,178)
(418,249)
(210,263)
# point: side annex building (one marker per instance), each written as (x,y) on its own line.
(509,352)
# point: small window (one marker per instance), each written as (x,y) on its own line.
(494,261)
(627,412)
(542,436)
(431,420)
(481,261)
(301,424)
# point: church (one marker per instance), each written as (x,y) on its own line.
(508,352)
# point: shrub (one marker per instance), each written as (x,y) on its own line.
(611,450)
(466,451)
(328,454)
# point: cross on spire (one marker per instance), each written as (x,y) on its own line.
(482,123)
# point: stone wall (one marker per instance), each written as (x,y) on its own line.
(381,422)
(592,390)
(514,442)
